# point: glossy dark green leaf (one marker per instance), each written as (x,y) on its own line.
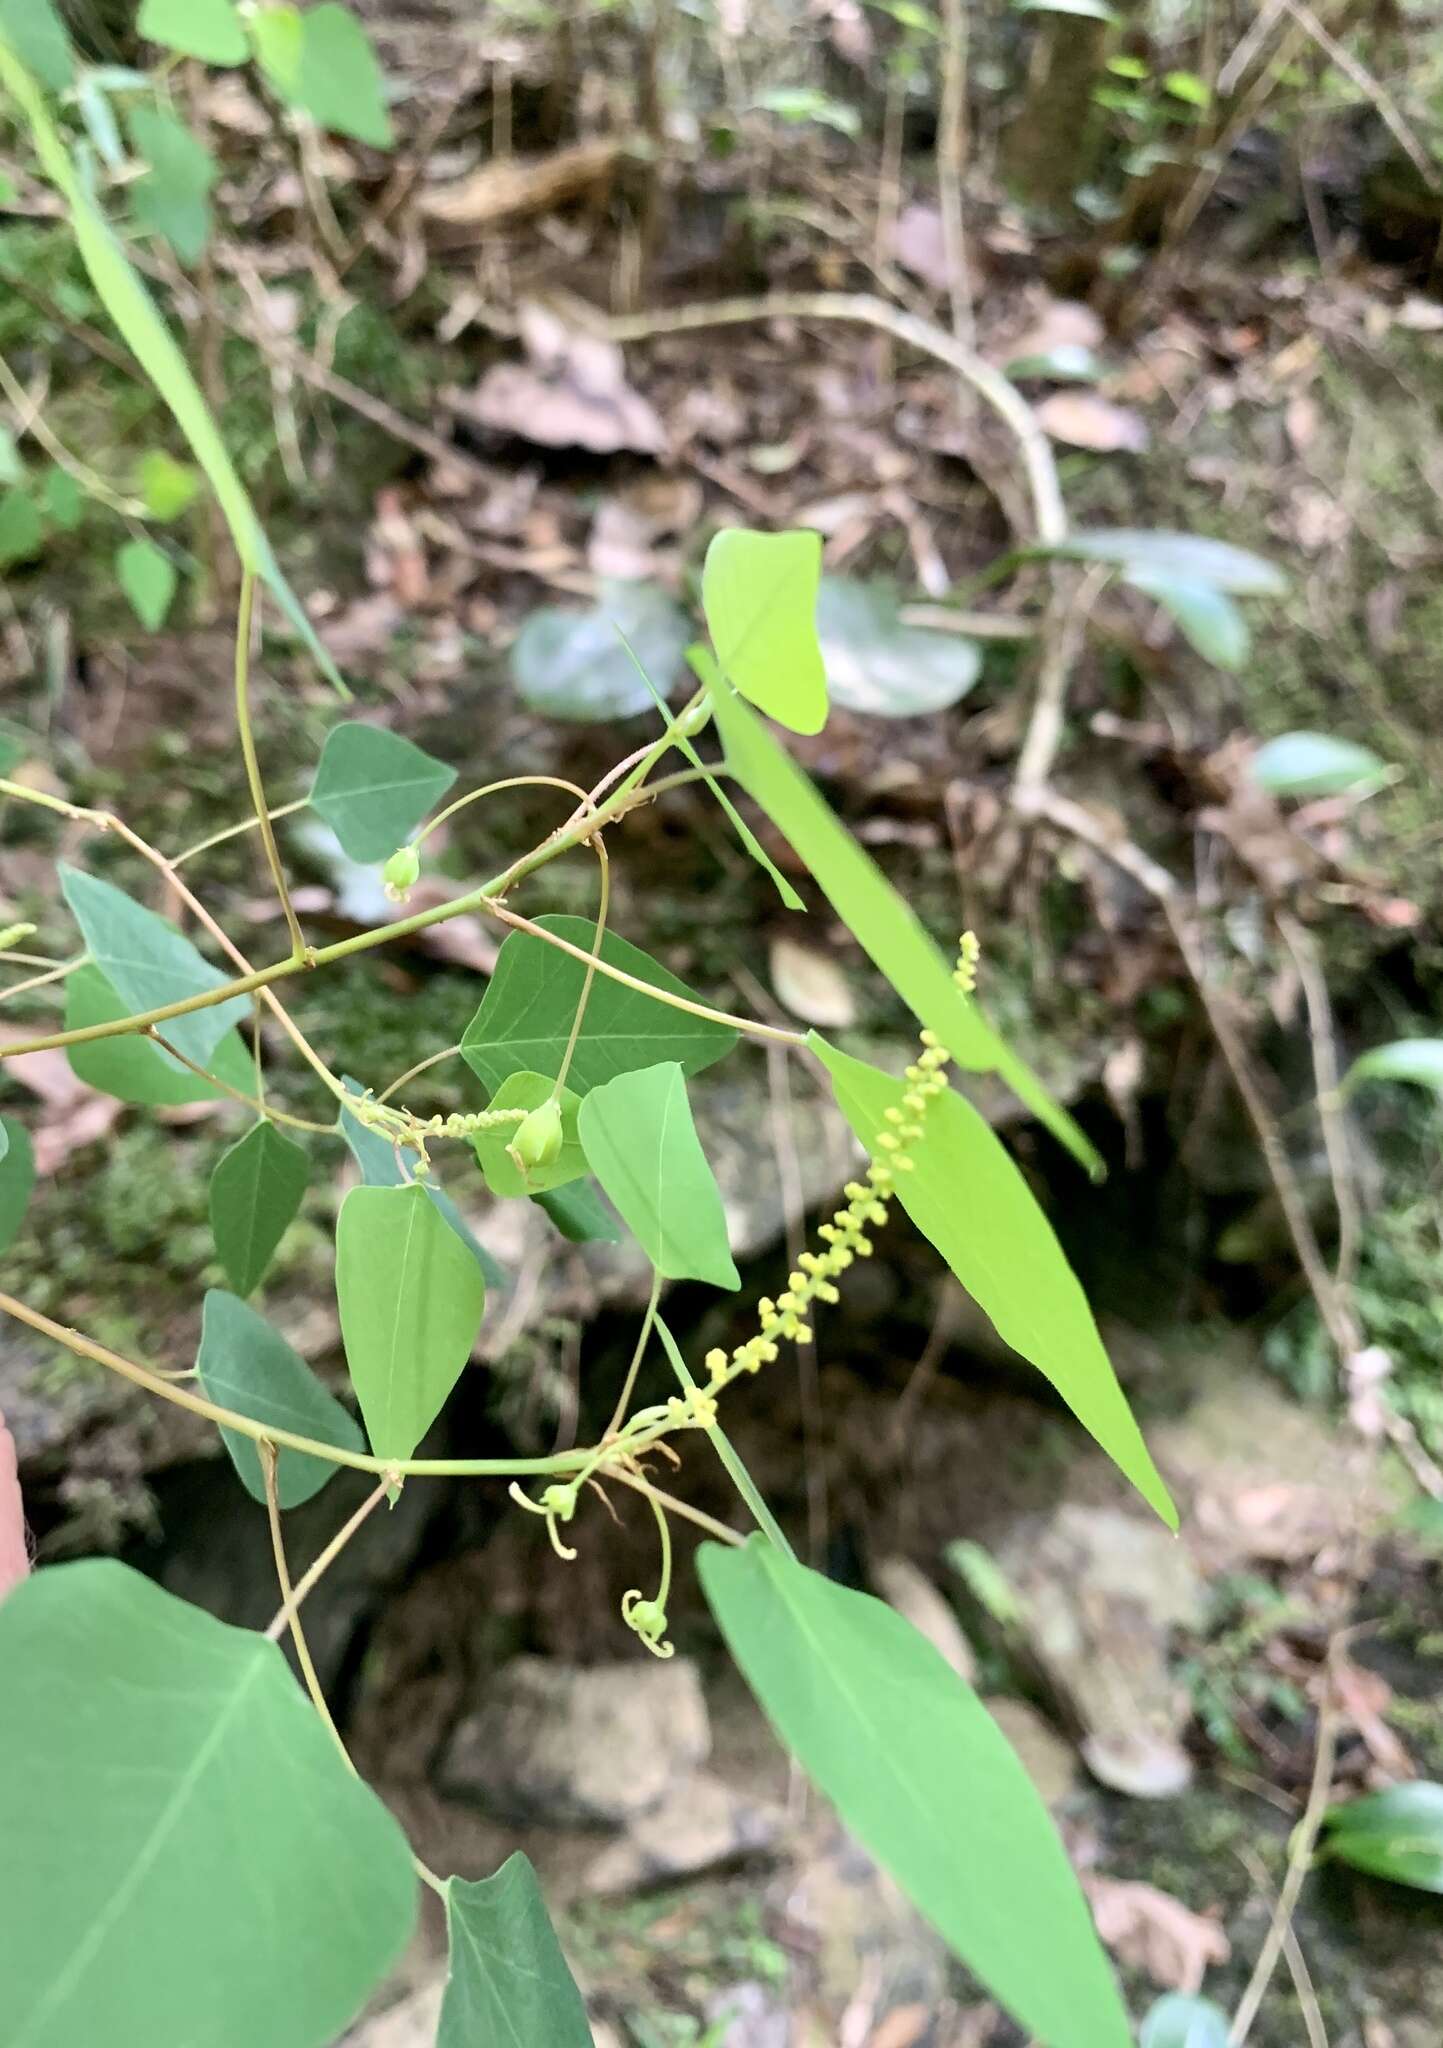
(923,1777)
(147,576)
(17,1180)
(149,963)
(208,29)
(576,665)
(135,1069)
(885,926)
(1313,764)
(759,593)
(380,1168)
(198,1863)
(640,1142)
(172,198)
(1191,556)
(580,1214)
(1179,2021)
(36,33)
(525,1018)
(1419,1060)
(373,788)
(22,532)
(255,1192)
(1396,1834)
(245,1365)
(966,1195)
(877,665)
(1207,617)
(411,1298)
(503,1176)
(508,1985)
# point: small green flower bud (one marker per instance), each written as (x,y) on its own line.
(538,1137)
(401,873)
(696,720)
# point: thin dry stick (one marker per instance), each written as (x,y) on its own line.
(245,613)
(951,155)
(280,1116)
(1382,101)
(290,1605)
(1063,632)
(311,1578)
(1293,1956)
(30,419)
(1299,943)
(674,1506)
(1300,1855)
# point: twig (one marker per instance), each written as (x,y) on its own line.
(244,619)
(676,1507)
(1293,1956)
(1331,1116)
(1300,1855)
(308,1580)
(1381,100)
(30,419)
(290,1606)
(1063,632)
(951,154)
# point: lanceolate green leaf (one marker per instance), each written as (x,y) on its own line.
(411,1298)
(508,1985)
(17,1180)
(1209,620)
(877,916)
(922,1775)
(640,1142)
(1419,1060)
(208,29)
(149,963)
(132,309)
(1193,556)
(245,1365)
(255,1192)
(503,1176)
(380,1168)
(162,1776)
(1312,764)
(525,1019)
(759,592)
(1396,1833)
(965,1194)
(373,788)
(134,1069)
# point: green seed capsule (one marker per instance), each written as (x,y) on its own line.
(401,872)
(538,1137)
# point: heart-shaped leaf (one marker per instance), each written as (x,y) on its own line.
(199,1863)
(322,62)
(255,1192)
(503,1176)
(208,29)
(380,1168)
(573,664)
(508,1980)
(877,665)
(759,593)
(411,1298)
(373,788)
(640,1142)
(245,1365)
(135,1069)
(22,531)
(147,576)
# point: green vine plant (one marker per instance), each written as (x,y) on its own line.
(188,1854)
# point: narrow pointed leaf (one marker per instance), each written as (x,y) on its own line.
(245,1365)
(640,1142)
(255,1192)
(1193,556)
(966,1195)
(703,666)
(1419,1060)
(580,1214)
(198,1863)
(373,788)
(380,1168)
(1301,765)
(411,1298)
(503,1176)
(924,1778)
(208,29)
(525,1018)
(759,593)
(883,924)
(17,1180)
(508,1982)
(149,963)
(1396,1834)
(135,1069)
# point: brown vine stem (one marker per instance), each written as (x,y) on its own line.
(673,1506)
(310,1578)
(279,1116)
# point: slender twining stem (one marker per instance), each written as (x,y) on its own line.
(674,1506)
(255,1102)
(309,1579)
(245,613)
(432,1059)
(628,1385)
(289,1604)
(475,796)
(276,811)
(391,1469)
(25,988)
(31,420)
(602,910)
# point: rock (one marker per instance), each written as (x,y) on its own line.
(594,1746)
(410,2023)
(917,1600)
(1049,1761)
(1098,1592)
(700,1823)
(858,1928)
(748,2016)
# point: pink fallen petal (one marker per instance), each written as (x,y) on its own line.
(14,1556)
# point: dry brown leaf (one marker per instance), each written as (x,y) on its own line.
(918,244)
(1150,1930)
(811,985)
(511,186)
(572,393)
(1083,419)
(1062,323)
(903,2027)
